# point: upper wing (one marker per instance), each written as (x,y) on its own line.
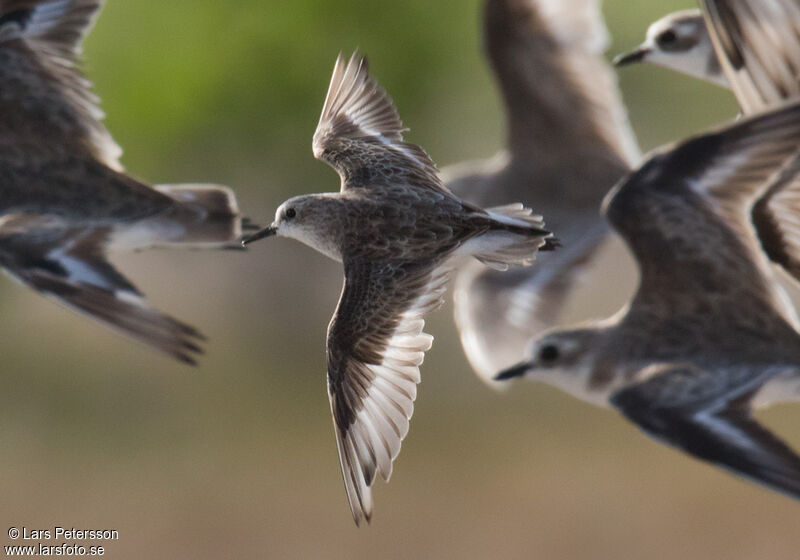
(375,348)
(43,37)
(569,143)
(686,214)
(758,44)
(776,217)
(561,95)
(714,425)
(69,264)
(360,133)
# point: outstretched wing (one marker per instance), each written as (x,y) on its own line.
(375,348)
(758,44)
(360,134)
(69,265)
(569,142)
(686,214)
(715,427)
(560,93)
(43,38)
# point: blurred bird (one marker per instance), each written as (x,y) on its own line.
(65,198)
(758,44)
(679,41)
(396,229)
(569,142)
(753,47)
(705,339)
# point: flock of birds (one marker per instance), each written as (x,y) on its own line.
(709,335)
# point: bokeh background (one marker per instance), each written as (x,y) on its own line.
(236,458)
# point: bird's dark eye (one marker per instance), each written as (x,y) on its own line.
(667,37)
(548,354)
(291,213)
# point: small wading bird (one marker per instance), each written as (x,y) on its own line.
(706,337)
(752,47)
(679,41)
(64,198)
(395,228)
(569,142)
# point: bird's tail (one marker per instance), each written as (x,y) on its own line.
(207,216)
(516,236)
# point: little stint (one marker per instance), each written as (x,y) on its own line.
(396,229)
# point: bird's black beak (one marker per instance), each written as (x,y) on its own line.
(514,371)
(636,55)
(268,231)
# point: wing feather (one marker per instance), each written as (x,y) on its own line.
(43,38)
(57,25)
(776,217)
(688,209)
(714,427)
(360,133)
(375,347)
(758,44)
(69,264)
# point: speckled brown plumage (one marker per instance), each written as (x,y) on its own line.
(396,229)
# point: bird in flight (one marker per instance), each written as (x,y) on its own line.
(398,231)
(679,41)
(707,337)
(752,48)
(568,143)
(65,197)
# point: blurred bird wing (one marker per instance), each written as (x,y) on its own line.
(375,348)
(79,187)
(548,58)
(58,24)
(360,134)
(776,217)
(53,30)
(688,209)
(69,264)
(579,28)
(715,425)
(575,22)
(758,44)
(498,313)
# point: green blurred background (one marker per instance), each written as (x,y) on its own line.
(236,459)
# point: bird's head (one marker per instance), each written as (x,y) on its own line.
(679,41)
(310,219)
(560,357)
